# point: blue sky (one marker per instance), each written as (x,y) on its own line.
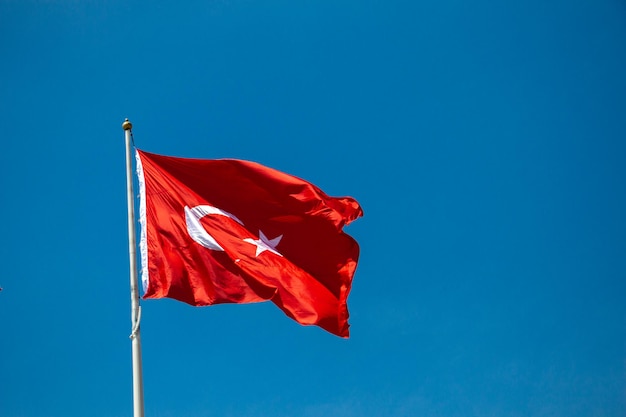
(484,140)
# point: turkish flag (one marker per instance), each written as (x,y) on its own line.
(232,231)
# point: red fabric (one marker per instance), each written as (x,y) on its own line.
(310,282)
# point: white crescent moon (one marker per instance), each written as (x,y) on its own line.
(197,232)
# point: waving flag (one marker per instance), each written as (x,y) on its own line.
(232,231)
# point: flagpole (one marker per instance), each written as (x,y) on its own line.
(138,409)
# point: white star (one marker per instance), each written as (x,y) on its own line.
(263,243)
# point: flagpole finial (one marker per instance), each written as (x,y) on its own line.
(127,125)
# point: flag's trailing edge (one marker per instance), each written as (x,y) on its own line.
(232,231)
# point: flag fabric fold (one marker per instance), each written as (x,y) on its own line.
(233,231)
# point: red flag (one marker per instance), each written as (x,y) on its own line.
(232,231)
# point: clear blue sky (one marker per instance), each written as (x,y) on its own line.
(484,140)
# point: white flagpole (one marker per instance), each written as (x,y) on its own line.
(138,410)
